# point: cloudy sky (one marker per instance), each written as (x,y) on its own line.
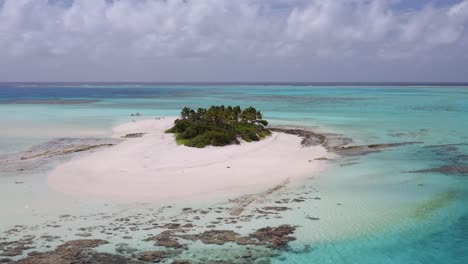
(234,40)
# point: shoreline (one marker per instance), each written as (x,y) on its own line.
(178,224)
(149,166)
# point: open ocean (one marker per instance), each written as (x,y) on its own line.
(388,215)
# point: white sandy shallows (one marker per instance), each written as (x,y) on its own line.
(154,168)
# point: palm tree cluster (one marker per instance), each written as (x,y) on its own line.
(224,116)
(219,126)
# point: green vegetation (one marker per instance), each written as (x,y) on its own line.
(218,126)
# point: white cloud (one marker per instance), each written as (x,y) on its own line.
(300,30)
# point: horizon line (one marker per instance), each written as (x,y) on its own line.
(344,83)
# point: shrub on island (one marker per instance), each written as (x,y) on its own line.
(219,126)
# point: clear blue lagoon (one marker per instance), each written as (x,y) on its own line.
(386,214)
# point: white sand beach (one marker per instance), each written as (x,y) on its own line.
(154,168)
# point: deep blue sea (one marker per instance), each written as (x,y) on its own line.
(397,216)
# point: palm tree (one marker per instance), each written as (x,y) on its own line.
(236,111)
(259,115)
(192,115)
(185,112)
(249,115)
(201,112)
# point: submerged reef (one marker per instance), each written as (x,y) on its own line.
(211,235)
(272,237)
(267,242)
(56,149)
(336,143)
(76,251)
(460,170)
(453,158)
(366,149)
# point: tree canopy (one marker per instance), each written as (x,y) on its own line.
(219,126)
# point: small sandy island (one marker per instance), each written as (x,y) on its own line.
(154,168)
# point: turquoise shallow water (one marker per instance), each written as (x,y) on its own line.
(432,222)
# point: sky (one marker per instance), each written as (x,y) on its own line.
(234,40)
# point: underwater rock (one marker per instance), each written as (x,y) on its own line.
(309,138)
(153,256)
(134,135)
(366,149)
(181,261)
(64,151)
(312,138)
(336,143)
(276,208)
(76,252)
(124,248)
(322,158)
(277,237)
(264,242)
(165,239)
(460,170)
(37,155)
(408,134)
(348,164)
(274,237)
(218,237)
(15,251)
(172,226)
(298,200)
(84,234)
(15,248)
(242,202)
(83,243)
